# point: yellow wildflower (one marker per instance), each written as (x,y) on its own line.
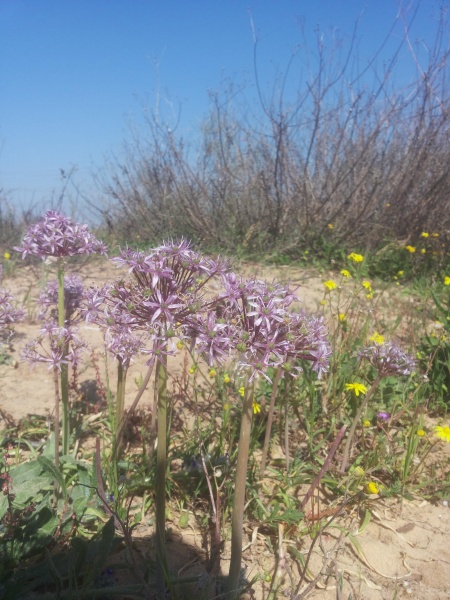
(193,369)
(256,408)
(410,249)
(226,378)
(180,345)
(330,284)
(357,258)
(212,373)
(358,472)
(342,317)
(7,256)
(377,338)
(323,302)
(366,423)
(345,273)
(330,226)
(447,281)
(434,235)
(388,204)
(421,433)
(358,388)
(400,273)
(367,285)
(443,433)
(424,234)
(372,488)
(369,296)
(422,251)
(241,391)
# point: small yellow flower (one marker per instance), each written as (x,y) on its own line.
(7,256)
(330,226)
(342,317)
(193,369)
(400,273)
(346,273)
(180,345)
(212,373)
(424,234)
(330,284)
(422,251)
(366,423)
(367,285)
(377,338)
(443,433)
(358,388)
(388,204)
(358,472)
(226,378)
(372,488)
(323,302)
(447,281)
(357,258)
(241,391)
(421,433)
(434,235)
(411,249)
(369,296)
(256,408)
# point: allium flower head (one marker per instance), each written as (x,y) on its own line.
(388,359)
(55,346)
(165,297)
(74,296)
(266,332)
(9,315)
(58,236)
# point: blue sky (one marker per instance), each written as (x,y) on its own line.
(75,73)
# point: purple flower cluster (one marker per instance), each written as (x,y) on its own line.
(9,315)
(254,322)
(58,236)
(55,346)
(167,288)
(172,293)
(74,296)
(388,359)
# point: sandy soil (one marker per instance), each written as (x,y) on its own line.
(403,552)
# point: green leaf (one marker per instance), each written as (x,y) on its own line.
(48,465)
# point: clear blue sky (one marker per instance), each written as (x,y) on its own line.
(74,73)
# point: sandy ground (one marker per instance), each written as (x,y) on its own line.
(403,553)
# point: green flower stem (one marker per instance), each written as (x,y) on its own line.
(355,422)
(239,496)
(120,395)
(57,400)
(161,468)
(262,466)
(124,422)
(64,366)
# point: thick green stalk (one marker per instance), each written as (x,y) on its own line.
(161,468)
(237,521)
(120,396)
(276,381)
(64,366)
